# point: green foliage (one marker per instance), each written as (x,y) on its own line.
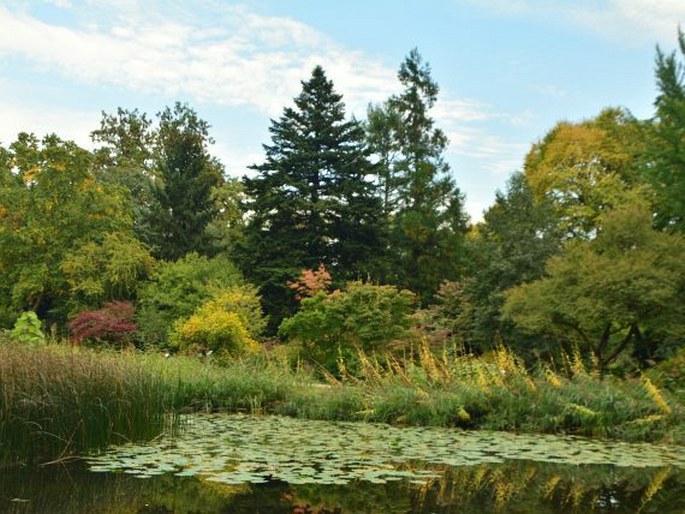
(311,201)
(226,230)
(611,292)
(124,160)
(51,204)
(670,373)
(177,289)
(423,207)
(27,330)
(665,155)
(363,317)
(511,245)
(186,178)
(171,180)
(108,270)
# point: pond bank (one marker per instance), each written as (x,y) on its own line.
(58,401)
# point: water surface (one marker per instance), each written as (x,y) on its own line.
(270,464)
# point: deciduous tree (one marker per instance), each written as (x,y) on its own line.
(609,293)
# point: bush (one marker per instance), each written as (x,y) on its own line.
(214,329)
(245,302)
(177,289)
(112,324)
(363,317)
(27,329)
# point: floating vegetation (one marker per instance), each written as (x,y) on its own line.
(238,449)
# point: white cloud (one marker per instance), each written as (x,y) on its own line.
(237,58)
(67,124)
(632,21)
(216,53)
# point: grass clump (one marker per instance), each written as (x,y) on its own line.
(55,400)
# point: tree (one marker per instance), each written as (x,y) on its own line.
(186,177)
(226,231)
(425,207)
(665,154)
(112,324)
(586,168)
(51,204)
(510,247)
(111,269)
(382,128)
(229,323)
(362,317)
(125,160)
(176,189)
(177,288)
(609,293)
(311,201)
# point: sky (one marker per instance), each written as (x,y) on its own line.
(508,70)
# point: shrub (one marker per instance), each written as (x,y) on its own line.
(112,324)
(27,329)
(363,317)
(177,289)
(213,328)
(245,302)
(311,282)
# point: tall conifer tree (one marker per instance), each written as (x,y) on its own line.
(312,201)
(426,216)
(666,154)
(186,177)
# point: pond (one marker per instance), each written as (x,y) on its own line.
(270,464)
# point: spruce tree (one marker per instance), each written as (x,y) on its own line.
(311,200)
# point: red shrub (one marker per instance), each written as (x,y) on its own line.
(113,323)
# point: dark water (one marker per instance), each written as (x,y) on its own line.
(276,465)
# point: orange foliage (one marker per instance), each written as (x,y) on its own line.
(311,282)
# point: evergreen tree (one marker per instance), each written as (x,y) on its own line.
(186,176)
(311,200)
(517,236)
(425,208)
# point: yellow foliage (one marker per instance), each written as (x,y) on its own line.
(213,329)
(655,394)
(647,420)
(244,302)
(551,377)
(582,411)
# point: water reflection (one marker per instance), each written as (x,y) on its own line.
(377,474)
(510,487)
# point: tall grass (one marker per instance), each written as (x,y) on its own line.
(56,401)
(59,400)
(497,392)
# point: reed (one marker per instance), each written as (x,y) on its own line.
(57,400)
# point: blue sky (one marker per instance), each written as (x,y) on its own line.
(508,70)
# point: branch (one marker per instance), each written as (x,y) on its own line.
(634,331)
